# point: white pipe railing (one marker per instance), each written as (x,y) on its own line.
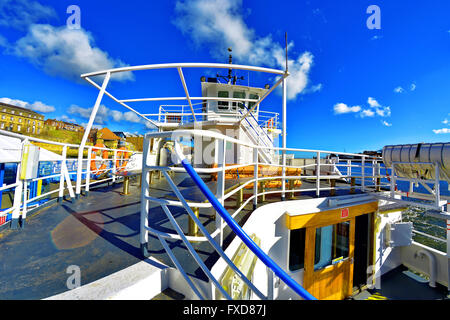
(259,175)
(22,198)
(361,163)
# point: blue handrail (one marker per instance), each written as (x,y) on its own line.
(243,236)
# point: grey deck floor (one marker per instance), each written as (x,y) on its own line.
(401,284)
(100,234)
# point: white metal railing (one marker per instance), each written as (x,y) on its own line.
(23,196)
(323,170)
(181,114)
(360,172)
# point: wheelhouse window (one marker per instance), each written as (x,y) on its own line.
(223,105)
(254,97)
(238,95)
(332,244)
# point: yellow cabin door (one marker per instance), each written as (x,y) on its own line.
(329,256)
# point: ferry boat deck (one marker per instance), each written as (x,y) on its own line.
(100,234)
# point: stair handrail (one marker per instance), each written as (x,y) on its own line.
(255,121)
(237,229)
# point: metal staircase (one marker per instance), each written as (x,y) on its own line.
(259,137)
(272,268)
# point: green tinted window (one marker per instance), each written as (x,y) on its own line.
(252,96)
(223,105)
(238,95)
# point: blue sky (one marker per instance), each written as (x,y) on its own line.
(351,88)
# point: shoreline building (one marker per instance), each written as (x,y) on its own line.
(20,120)
(62,125)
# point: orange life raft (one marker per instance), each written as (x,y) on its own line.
(263,171)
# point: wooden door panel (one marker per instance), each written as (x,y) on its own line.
(333,282)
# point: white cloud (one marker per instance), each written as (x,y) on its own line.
(376,109)
(399,90)
(367,113)
(445,121)
(413,87)
(383,111)
(117,115)
(37,106)
(372,102)
(19,14)
(220,24)
(379,109)
(104,114)
(387,124)
(127,116)
(442,131)
(66,119)
(64,52)
(100,118)
(94,126)
(341,108)
(376,37)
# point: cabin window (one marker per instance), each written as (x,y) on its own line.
(252,96)
(297,249)
(239,95)
(332,244)
(222,105)
(297,246)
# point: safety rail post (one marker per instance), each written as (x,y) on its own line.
(393,180)
(255,177)
(318,175)
(220,190)
(437,188)
(349,168)
(270,283)
(115,166)
(378,179)
(24,204)
(88,171)
(17,195)
(192,226)
(145,206)
(363,175)
(373,172)
(61,179)
(88,130)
